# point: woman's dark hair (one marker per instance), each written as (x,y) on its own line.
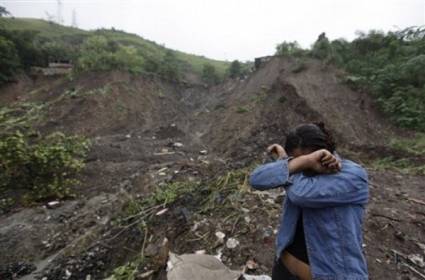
(312,136)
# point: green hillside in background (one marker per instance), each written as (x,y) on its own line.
(66,41)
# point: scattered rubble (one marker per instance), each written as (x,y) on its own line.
(232,243)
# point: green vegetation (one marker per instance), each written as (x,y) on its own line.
(403,165)
(9,60)
(142,213)
(390,66)
(3,11)
(209,75)
(97,54)
(413,145)
(290,49)
(38,42)
(235,69)
(242,110)
(35,167)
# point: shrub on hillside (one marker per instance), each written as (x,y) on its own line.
(209,74)
(99,54)
(32,166)
(169,67)
(289,49)
(9,60)
(40,167)
(235,69)
(390,66)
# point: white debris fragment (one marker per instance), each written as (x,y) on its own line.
(232,243)
(200,252)
(203,152)
(53,204)
(162,169)
(128,136)
(67,273)
(178,145)
(251,265)
(422,246)
(245,210)
(247,219)
(162,174)
(147,274)
(159,213)
(219,254)
(220,236)
(417,259)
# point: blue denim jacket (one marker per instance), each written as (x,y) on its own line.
(333,206)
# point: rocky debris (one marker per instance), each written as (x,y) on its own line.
(177,145)
(232,243)
(158,252)
(205,267)
(198,267)
(159,213)
(53,204)
(220,237)
(203,152)
(251,264)
(16,270)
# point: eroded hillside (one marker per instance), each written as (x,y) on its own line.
(188,149)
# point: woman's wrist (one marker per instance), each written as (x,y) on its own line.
(299,164)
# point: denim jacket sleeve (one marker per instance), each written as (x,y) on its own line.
(349,186)
(270,175)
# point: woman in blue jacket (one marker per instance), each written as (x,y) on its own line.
(320,235)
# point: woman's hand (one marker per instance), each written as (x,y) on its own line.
(322,161)
(278,150)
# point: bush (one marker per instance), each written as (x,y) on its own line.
(40,167)
(9,60)
(169,67)
(209,74)
(390,66)
(322,47)
(289,49)
(235,69)
(99,54)
(33,167)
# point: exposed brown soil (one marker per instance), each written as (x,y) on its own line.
(134,123)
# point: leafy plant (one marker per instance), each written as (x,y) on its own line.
(35,167)
(42,168)
(9,60)
(209,74)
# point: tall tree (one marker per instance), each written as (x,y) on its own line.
(235,69)
(4,11)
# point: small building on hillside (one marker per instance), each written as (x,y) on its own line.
(54,68)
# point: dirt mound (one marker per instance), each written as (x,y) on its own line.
(148,133)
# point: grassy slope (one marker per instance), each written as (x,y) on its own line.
(53,30)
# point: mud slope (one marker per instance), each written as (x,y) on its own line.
(277,96)
(147,133)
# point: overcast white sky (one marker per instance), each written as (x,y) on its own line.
(231,29)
